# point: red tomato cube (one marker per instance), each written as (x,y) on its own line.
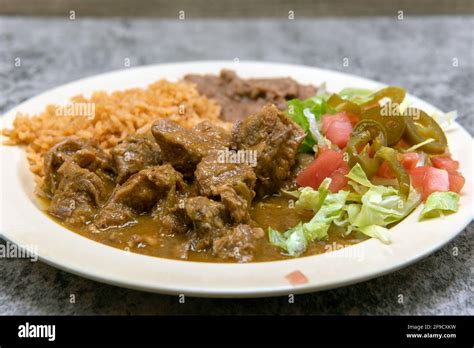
(337,128)
(328,164)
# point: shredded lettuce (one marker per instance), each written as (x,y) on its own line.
(314,129)
(329,208)
(294,194)
(383,206)
(292,241)
(445,120)
(354,197)
(417,146)
(346,219)
(374,231)
(310,199)
(356,95)
(358,175)
(307,114)
(369,210)
(380,205)
(439,202)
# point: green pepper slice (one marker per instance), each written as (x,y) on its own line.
(395,94)
(339,104)
(366,131)
(421,127)
(389,119)
(390,156)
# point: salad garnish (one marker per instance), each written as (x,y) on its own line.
(377,158)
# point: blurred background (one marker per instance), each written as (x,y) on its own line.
(426,46)
(234,8)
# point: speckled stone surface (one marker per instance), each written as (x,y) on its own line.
(420,54)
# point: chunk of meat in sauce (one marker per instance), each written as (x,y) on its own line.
(213,232)
(79,194)
(239,243)
(86,153)
(169,213)
(138,195)
(134,153)
(276,140)
(207,216)
(213,171)
(232,182)
(237,199)
(239,97)
(213,133)
(184,148)
(208,219)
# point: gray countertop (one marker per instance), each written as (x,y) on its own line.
(432,57)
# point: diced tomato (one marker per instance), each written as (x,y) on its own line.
(456,182)
(445,162)
(408,160)
(339,179)
(428,180)
(328,164)
(436,180)
(337,128)
(384,171)
(417,176)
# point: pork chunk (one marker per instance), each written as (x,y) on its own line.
(134,153)
(213,231)
(86,153)
(238,243)
(276,140)
(78,195)
(184,148)
(237,199)
(214,133)
(232,182)
(139,194)
(207,216)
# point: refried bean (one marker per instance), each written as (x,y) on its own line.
(240,98)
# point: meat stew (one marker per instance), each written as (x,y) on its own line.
(183,193)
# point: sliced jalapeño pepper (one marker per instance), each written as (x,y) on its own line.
(395,94)
(365,132)
(389,118)
(339,104)
(421,127)
(390,156)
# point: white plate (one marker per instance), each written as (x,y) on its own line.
(24,224)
